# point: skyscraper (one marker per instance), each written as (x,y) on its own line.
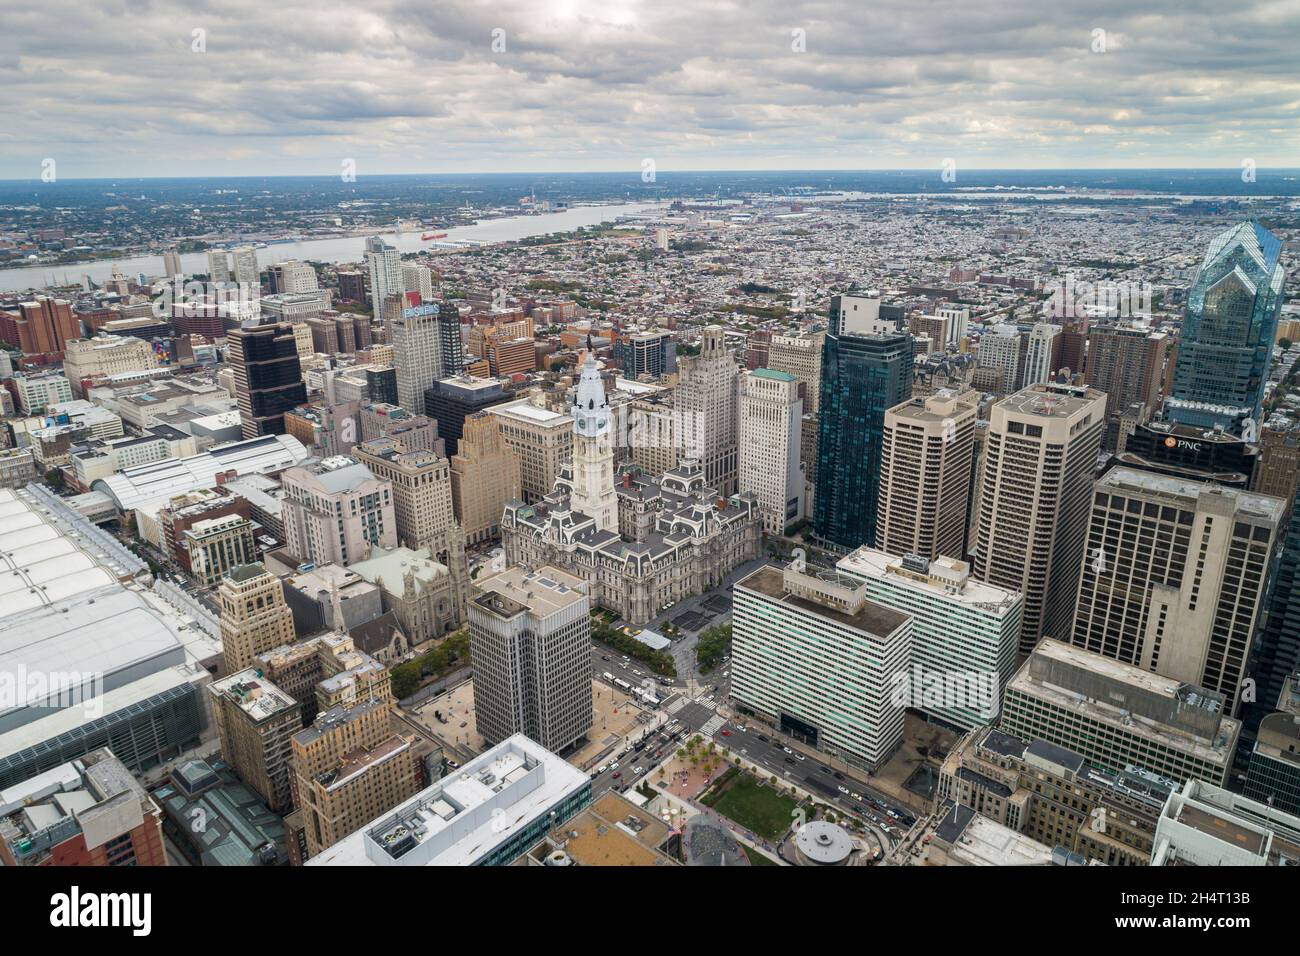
(218,265)
(247,273)
(1228,330)
(268,376)
(1275,655)
(863,376)
(925,474)
(1040,355)
(801,356)
(172,264)
(1127,363)
(1040,455)
(1001,349)
(530,638)
(254,616)
(415,335)
(385,264)
(485,475)
(771,417)
(1173,578)
(706,407)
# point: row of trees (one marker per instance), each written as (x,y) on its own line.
(661,662)
(714,643)
(447,656)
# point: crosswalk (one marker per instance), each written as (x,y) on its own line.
(713,725)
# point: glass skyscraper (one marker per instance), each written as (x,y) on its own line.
(1228,330)
(863,376)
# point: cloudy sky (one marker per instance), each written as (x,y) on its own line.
(128,88)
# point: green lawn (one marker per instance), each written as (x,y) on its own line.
(756,807)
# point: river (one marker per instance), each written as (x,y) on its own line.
(339,249)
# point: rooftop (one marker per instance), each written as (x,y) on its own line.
(871,618)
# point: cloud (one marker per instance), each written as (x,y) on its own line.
(413,86)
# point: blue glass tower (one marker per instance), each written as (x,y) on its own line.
(862,377)
(1228,330)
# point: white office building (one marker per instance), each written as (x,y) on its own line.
(815,658)
(965,633)
(385,265)
(771,416)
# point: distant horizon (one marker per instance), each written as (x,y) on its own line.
(636,173)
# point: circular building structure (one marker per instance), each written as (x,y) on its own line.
(820,843)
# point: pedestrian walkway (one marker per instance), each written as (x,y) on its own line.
(713,725)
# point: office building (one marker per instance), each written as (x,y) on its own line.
(925,475)
(418,279)
(530,638)
(172,264)
(1055,796)
(218,265)
(1204,825)
(768,466)
(965,633)
(254,616)
(87,812)
(216,546)
(247,273)
(38,393)
(489,812)
(1275,653)
(1036,485)
(41,328)
(540,438)
(1117,715)
(863,376)
(1228,330)
(860,313)
(452,400)
(705,400)
(291,277)
(1273,776)
(1126,362)
(813,656)
(485,475)
(801,356)
(1041,350)
(1000,349)
(1174,575)
(268,377)
(415,334)
(105,355)
(256,722)
(348,768)
(335,510)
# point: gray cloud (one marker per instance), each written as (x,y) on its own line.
(413,86)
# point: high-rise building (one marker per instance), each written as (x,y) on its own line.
(591,491)
(1041,350)
(418,279)
(705,398)
(1275,655)
(172,264)
(817,659)
(925,475)
(349,767)
(801,356)
(256,722)
(1273,775)
(530,637)
(771,416)
(965,633)
(216,546)
(452,400)
(268,376)
(385,265)
(484,477)
(645,353)
(415,334)
(1174,574)
(861,313)
(541,439)
(1036,485)
(1228,330)
(1277,470)
(254,616)
(292,277)
(1127,363)
(218,265)
(41,328)
(247,273)
(958,322)
(334,510)
(1000,349)
(863,376)
(1119,716)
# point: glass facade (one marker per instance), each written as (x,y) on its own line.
(862,378)
(1228,330)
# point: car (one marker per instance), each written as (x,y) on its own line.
(892,814)
(602,768)
(824,769)
(801,756)
(838,775)
(856,796)
(764,739)
(637,771)
(789,760)
(843,790)
(787,750)
(614,766)
(726,733)
(604,657)
(617,774)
